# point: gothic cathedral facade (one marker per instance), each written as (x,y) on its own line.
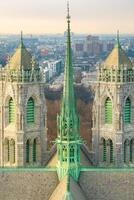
(22,111)
(113,111)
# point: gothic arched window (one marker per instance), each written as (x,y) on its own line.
(27,151)
(127,111)
(108,111)
(126,151)
(6,150)
(12,151)
(111,151)
(11,111)
(72,154)
(104,156)
(64,153)
(132,150)
(30,111)
(34,150)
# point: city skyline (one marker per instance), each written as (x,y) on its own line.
(39,17)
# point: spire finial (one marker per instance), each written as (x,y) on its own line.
(21,36)
(118,36)
(68,12)
(117,43)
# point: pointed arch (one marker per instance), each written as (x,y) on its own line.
(127,111)
(34,150)
(72,153)
(108,111)
(6,151)
(132,150)
(64,153)
(110,142)
(30,111)
(27,151)
(126,151)
(11,106)
(12,151)
(103,150)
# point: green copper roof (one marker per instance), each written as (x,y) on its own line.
(68,195)
(118,57)
(62,192)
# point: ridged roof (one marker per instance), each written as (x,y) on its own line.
(68,189)
(117,58)
(21,58)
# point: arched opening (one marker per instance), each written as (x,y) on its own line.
(72,154)
(111,151)
(108,111)
(11,106)
(127,111)
(126,151)
(132,151)
(6,151)
(104,156)
(12,151)
(27,151)
(30,111)
(34,150)
(64,154)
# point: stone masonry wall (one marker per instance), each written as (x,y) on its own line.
(105,185)
(27,185)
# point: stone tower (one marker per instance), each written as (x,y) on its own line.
(113,111)
(68,139)
(22,111)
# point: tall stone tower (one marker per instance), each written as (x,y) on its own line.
(22,111)
(68,140)
(113,111)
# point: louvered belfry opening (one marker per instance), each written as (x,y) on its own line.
(127,111)
(27,151)
(125,151)
(111,151)
(11,111)
(104,149)
(30,111)
(34,150)
(108,111)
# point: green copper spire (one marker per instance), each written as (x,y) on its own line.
(68,91)
(68,140)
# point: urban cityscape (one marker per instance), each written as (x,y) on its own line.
(49,51)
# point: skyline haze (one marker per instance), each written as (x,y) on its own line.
(48,16)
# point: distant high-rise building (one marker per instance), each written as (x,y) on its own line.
(79,48)
(92,45)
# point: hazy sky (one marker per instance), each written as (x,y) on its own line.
(48,16)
